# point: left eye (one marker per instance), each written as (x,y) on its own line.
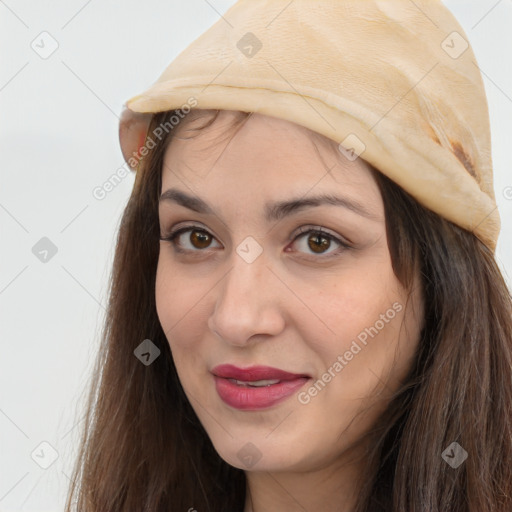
(319,241)
(199,239)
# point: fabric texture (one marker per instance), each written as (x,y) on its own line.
(394,82)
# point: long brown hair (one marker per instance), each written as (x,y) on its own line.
(144,449)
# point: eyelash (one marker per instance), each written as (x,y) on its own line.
(171,237)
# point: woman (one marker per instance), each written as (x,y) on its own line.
(305,311)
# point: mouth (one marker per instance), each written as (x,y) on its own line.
(256,387)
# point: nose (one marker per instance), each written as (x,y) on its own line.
(248,303)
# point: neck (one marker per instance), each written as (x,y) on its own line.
(330,489)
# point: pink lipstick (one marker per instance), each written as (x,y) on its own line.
(256,387)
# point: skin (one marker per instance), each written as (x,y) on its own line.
(292,308)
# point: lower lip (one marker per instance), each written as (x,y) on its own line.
(252,398)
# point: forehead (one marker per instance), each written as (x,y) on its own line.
(259,153)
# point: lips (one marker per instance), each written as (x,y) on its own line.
(256,387)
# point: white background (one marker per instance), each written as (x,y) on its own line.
(58,141)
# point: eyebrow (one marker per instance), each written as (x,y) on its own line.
(273,211)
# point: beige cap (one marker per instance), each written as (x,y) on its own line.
(394,82)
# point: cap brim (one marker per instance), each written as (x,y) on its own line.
(133,128)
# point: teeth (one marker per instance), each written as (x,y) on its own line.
(256,383)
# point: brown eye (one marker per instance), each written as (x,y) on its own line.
(196,241)
(200,239)
(318,243)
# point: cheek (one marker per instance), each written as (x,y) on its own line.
(373,333)
(177,293)
(352,302)
(179,309)
(165,295)
(174,299)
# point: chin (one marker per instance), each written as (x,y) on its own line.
(262,456)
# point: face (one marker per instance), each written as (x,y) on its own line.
(287,326)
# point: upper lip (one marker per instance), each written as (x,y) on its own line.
(254,373)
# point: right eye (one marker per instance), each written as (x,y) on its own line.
(198,240)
